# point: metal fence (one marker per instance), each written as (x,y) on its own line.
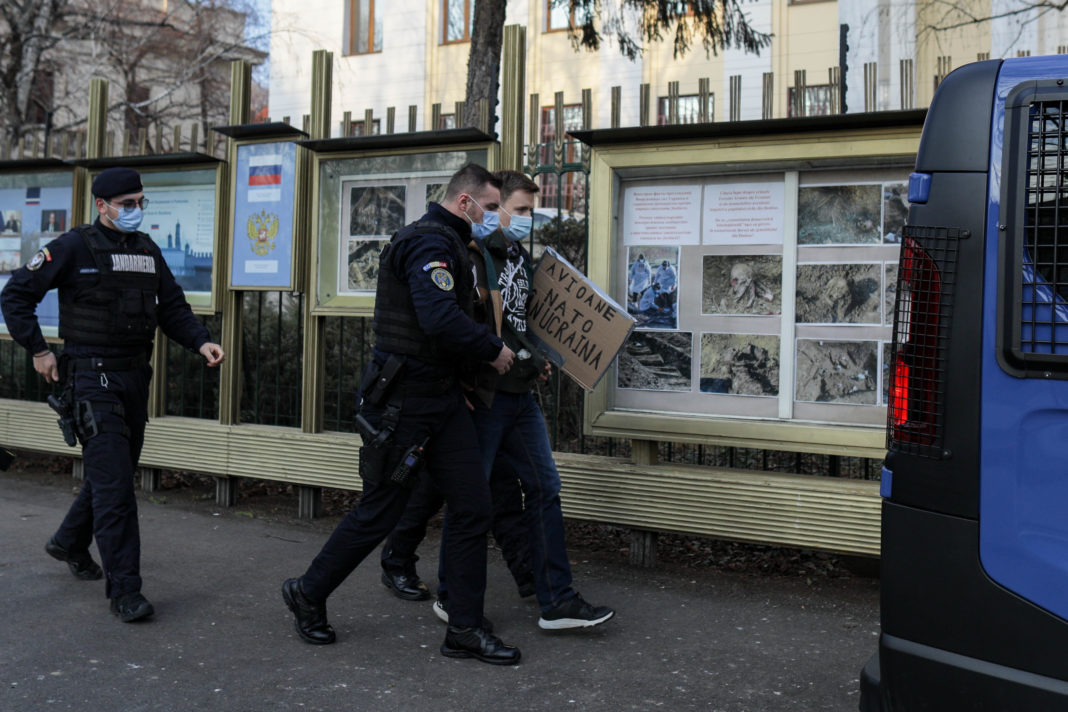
(272,354)
(192,389)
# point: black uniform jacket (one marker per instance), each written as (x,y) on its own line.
(62,259)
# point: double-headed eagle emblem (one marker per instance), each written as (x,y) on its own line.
(262,228)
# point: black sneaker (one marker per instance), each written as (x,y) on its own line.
(574,613)
(81,564)
(131,607)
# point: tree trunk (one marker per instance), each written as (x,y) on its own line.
(484,62)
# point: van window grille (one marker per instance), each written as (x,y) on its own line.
(922,311)
(1043,268)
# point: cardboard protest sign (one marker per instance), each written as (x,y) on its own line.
(578,326)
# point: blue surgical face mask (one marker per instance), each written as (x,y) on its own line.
(127,220)
(518,228)
(490,222)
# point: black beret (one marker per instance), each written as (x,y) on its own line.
(116,181)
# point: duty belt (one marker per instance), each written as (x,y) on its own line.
(426,389)
(102,363)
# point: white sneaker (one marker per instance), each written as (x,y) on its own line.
(440,612)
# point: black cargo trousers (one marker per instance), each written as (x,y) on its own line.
(452,462)
(106,507)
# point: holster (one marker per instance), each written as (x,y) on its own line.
(77,419)
(377,383)
(393,463)
(64,405)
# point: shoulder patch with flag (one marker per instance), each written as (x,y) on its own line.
(442,278)
(431,265)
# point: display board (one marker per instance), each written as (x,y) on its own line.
(181,217)
(761,295)
(35,208)
(362,201)
(262,247)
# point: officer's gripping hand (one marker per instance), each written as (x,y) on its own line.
(213,353)
(546,372)
(504,359)
(46,365)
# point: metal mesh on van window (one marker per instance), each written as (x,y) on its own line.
(923,308)
(1044,295)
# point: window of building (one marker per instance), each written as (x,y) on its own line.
(358,128)
(136,111)
(363,26)
(818,100)
(560,16)
(689,109)
(447,121)
(566,193)
(42,93)
(457,16)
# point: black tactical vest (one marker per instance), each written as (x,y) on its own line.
(117,304)
(396,326)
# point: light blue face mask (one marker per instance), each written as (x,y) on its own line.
(518,228)
(490,222)
(127,220)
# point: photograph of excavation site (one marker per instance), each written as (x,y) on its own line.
(363,264)
(656,361)
(839,294)
(839,215)
(837,371)
(740,364)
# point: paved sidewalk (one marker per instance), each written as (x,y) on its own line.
(222,638)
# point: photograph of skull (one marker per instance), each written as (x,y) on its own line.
(742,284)
(653,286)
(839,294)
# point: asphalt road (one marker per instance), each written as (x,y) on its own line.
(222,638)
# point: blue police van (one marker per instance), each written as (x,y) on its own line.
(975,484)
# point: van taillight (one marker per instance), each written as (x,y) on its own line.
(899,393)
(917,373)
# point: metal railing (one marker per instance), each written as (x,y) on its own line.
(272,355)
(192,389)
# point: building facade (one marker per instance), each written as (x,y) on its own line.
(825,56)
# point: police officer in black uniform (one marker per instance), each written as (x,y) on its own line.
(114,289)
(414,415)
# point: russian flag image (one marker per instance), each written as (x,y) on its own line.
(33,196)
(153,227)
(264,172)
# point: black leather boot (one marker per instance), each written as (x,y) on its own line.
(410,588)
(310,617)
(81,564)
(477,643)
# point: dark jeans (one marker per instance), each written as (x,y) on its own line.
(515,429)
(106,507)
(452,462)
